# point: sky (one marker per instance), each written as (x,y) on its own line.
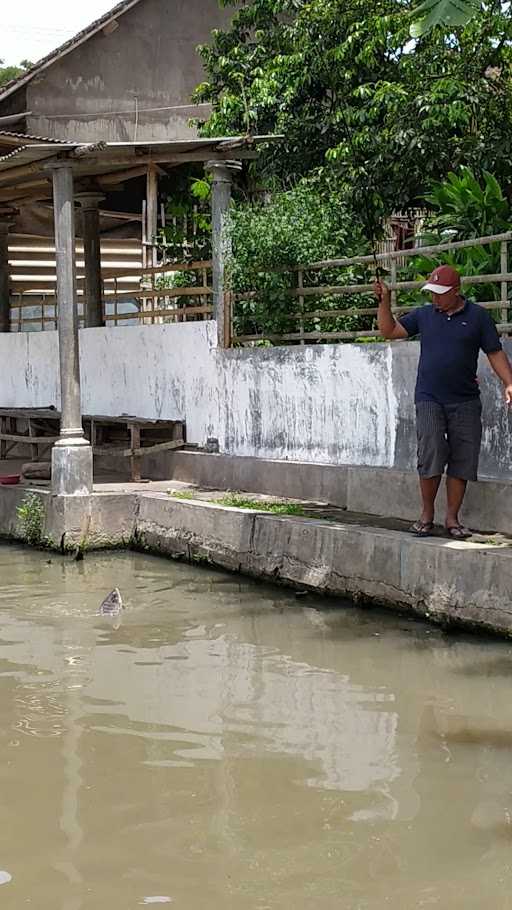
(31,29)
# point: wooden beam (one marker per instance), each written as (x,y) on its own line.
(130,159)
(152,199)
(118,176)
(21,170)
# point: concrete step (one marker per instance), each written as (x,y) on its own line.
(371,490)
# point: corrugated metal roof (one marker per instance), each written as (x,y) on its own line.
(28,154)
(68,46)
(16,139)
(38,151)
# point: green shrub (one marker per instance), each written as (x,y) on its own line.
(464,207)
(31,515)
(269,240)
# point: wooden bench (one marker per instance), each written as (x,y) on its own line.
(126,436)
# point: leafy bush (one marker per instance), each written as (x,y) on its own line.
(464,207)
(186,237)
(467,208)
(31,514)
(296,227)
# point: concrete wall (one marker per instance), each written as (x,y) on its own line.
(151,57)
(333,404)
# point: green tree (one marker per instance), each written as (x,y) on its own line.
(446,13)
(7,73)
(356,97)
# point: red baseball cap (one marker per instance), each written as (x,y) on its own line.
(443,279)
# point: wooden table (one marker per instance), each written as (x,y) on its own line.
(128,436)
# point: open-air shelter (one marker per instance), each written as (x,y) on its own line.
(67,174)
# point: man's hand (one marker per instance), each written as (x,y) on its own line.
(388,326)
(503,368)
(382,292)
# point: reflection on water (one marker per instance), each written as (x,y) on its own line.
(231,746)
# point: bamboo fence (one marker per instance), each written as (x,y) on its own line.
(393,259)
(133,294)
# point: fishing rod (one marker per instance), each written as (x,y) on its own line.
(369,220)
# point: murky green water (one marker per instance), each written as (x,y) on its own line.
(231,746)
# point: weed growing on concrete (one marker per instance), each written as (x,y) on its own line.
(243,502)
(275,508)
(31,513)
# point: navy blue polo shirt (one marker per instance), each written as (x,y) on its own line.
(450,345)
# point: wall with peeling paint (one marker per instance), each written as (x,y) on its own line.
(337,404)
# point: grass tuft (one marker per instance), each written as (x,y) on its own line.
(275,508)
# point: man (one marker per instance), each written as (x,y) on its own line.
(448,408)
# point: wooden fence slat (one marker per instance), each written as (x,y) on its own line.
(309,336)
(414,251)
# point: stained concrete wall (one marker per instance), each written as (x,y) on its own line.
(149,61)
(333,404)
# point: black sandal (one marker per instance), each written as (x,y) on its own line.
(422,528)
(458,532)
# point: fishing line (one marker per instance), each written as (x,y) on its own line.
(369,220)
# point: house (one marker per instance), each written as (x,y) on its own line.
(128,77)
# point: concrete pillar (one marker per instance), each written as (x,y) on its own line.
(5,315)
(93,291)
(71,454)
(221,172)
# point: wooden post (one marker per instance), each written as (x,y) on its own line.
(3,442)
(504,285)
(71,454)
(392,276)
(5,306)
(300,285)
(34,450)
(152,204)
(151,226)
(93,306)
(135,460)
(221,172)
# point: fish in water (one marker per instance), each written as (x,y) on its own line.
(113,604)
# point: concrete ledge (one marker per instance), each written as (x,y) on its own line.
(212,534)
(374,491)
(466,584)
(382,491)
(92,522)
(289,479)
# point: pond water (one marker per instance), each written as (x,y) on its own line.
(230,745)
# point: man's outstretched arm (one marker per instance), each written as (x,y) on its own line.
(388,326)
(501,366)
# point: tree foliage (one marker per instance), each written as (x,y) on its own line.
(446,13)
(270,239)
(7,73)
(463,207)
(356,98)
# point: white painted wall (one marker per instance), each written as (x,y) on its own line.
(29,370)
(335,404)
(328,403)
